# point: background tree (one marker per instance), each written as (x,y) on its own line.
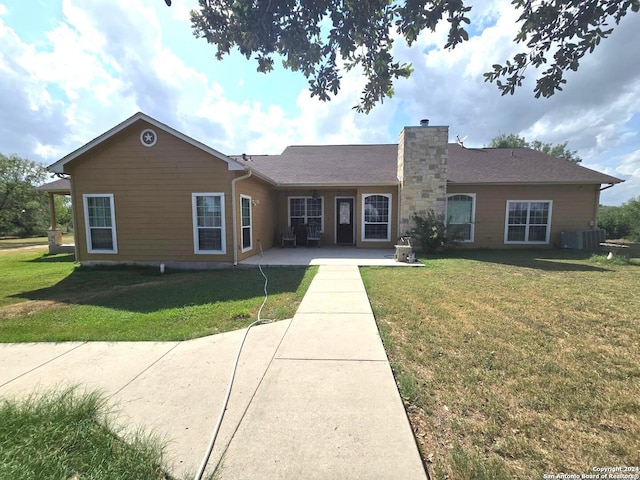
(23,210)
(514,141)
(316,37)
(62,205)
(621,222)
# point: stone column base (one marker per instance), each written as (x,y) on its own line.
(55,241)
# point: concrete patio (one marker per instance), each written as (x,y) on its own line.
(331,255)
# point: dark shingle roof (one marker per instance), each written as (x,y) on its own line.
(376,164)
(516,165)
(60,185)
(329,165)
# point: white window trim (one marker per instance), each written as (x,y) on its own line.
(85,197)
(525,242)
(473,215)
(250,247)
(305,210)
(362,235)
(194,211)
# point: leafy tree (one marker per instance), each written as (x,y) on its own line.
(62,205)
(23,210)
(316,37)
(622,221)
(514,141)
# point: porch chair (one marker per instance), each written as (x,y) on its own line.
(313,234)
(288,235)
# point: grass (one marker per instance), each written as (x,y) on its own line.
(49,298)
(515,364)
(67,435)
(17,242)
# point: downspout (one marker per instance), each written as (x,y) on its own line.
(235,216)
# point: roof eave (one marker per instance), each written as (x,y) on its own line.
(65,191)
(577,182)
(338,185)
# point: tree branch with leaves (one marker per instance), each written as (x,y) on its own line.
(563,31)
(320,38)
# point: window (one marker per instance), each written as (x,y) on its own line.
(306,210)
(376,221)
(100,223)
(461,211)
(528,221)
(245,223)
(208,223)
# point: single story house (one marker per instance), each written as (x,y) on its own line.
(146,193)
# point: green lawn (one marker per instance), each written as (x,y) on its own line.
(50,298)
(16,242)
(515,364)
(67,435)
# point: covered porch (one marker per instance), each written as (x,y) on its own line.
(330,255)
(61,186)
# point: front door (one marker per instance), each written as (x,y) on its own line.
(344,221)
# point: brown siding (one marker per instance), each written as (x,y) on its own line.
(573,209)
(264,215)
(152,190)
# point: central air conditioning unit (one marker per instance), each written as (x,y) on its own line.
(583,239)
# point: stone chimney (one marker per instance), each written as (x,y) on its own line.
(423,153)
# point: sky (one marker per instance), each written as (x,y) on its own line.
(72,69)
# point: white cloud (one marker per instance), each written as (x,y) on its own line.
(181,9)
(630,165)
(29,116)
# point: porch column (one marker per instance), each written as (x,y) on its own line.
(52,212)
(54,235)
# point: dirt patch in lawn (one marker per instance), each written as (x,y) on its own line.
(27,308)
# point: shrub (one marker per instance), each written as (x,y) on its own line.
(430,232)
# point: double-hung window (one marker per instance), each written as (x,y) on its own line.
(376,221)
(461,216)
(306,210)
(247,234)
(100,223)
(528,221)
(208,223)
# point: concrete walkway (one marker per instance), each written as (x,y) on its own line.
(314,396)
